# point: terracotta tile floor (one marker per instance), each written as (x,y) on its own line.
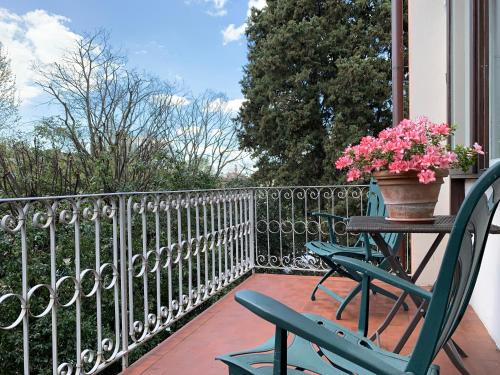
(226,326)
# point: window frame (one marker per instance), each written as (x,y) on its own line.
(479,100)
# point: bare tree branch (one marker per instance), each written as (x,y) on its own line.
(9,102)
(116,119)
(206,134)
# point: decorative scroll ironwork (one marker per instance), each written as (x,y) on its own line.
(127,264)
(131,264)
(283,223)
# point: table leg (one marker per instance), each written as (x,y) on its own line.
(452,350)
(449,347)
(457,352)
(411,327)
(388,319)
(393,262)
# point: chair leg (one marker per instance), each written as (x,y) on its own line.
(280,352)
(233,370)
(323,279)
(364,309)
(346,301)
(237,372)
(460,351)
(382,291)
(454,357)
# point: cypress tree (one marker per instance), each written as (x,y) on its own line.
(318,77)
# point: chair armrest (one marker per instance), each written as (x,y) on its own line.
(284,317)
(377,273)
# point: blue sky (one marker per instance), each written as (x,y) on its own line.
(197,42)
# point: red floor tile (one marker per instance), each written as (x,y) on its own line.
(226,326)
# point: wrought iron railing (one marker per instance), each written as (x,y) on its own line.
(283,223)
(84,280)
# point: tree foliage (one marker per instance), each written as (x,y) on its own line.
(117,129)
(112,129)
(8,97)
(205,133)
(318,77)
(112,117)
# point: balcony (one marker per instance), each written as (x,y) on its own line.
(88,282)
(221,329)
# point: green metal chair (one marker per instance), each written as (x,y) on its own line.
(323,347)
(364,248)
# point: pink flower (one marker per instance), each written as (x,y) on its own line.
(447,159)
(343,161)
(439,129)
(399,166)
(478,148)
(426,176)
(432,157)
(422,121)
(415,162)
(384,134)
(378,163)
(353,174)
(405,123)
(417,145)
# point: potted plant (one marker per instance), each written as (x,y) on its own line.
(409,162)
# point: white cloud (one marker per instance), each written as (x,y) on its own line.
(257,4)
(34,37)
(191,130)
(218,7)
(150,47)
(217,13)
(174,99)
(234,105)
(180,100)
(230,106)
(233,33)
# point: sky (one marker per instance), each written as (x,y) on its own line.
(199,44)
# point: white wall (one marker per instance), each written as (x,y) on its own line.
(486,297)
(460,70)
(428,95)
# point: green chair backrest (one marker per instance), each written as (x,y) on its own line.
(376,207)
(459,269)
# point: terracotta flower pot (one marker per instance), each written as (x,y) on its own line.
(406,198)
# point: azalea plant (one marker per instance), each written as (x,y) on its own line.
(413,145)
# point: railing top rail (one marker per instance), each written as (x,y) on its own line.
(117,194)
(310,186)
(127,193)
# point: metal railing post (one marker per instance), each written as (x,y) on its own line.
(123,280)
(24,281)
(252,230)
(102,247)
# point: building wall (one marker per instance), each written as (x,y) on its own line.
(460,70)
(428,94)
(486,297)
